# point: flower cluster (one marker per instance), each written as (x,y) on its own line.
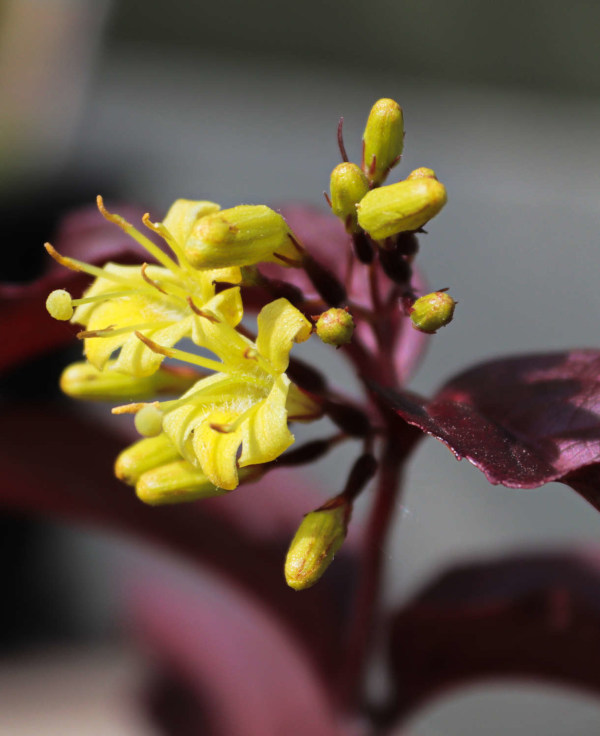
(231,398)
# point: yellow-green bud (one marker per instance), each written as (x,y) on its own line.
(383,139)
(241,236)
(314,545)
(82,380)
(59,305)
(335,327)
(143,456)
(183,215)
(401,207)
(175,482)
(432,311)
(148,421)
(348,185)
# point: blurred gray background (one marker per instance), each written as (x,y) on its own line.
(239,102)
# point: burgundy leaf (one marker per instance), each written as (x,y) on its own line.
(523,421)
(534,616)
(250,676)
(56,463)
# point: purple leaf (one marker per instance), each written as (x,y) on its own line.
(522,421)
(250,676)
(534,616)
(58,464)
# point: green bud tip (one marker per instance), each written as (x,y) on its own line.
(314,545)
(421,172)
(383,139)
(348,185)
(335,327)
(432,311)
(148,421)
(59,305)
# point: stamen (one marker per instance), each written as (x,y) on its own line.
(81,267)
(161,230)
(130,408)
(111,332)
(200,313)
(145,242)
(212,365)
(148,280)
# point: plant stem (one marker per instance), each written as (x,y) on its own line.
(368,595)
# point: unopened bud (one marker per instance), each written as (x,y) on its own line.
(184,214)
(432,311)
(348,185)
(148,421)
(335,327)
(175,482)
(241,236)
(59,305)
(314,545)
(327,284)
(383,139)
(83,381)
(143,456)
(401,207)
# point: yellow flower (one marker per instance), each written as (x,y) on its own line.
(162,302)
(246,403)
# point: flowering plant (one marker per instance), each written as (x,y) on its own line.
(224,431)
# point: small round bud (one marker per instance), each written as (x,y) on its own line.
(383,139)
(59,305)
(314,545)
(335,327)
(148,421)
(432,311)
(423,171)
(348,185)
(405,206)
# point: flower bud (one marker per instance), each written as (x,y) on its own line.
(383,139)
(432,311)
(83,381)
(183,215)
(401,207)
(335,327)
(175,482)
(148,421)
(314,545)
(241,236)
(143,456)
(421,172)
(348,185)
(59,305)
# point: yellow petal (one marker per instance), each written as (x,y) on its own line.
(143,456)
(279,326)
(265,432)
(217,449)
(137,359)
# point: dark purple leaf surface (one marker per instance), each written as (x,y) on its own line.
(59,464)
(249,674)
(523,421)
(531,616)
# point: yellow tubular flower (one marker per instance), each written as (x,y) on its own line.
(162,302)
(245,403)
